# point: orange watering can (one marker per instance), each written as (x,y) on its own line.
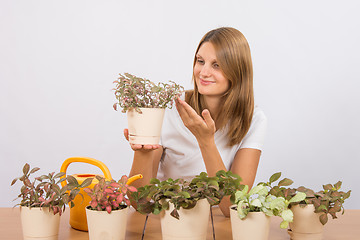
(77,213)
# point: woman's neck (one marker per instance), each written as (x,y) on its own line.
(213,105)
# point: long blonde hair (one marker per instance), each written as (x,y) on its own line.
(233,56)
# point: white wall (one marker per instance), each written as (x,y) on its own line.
(58,60)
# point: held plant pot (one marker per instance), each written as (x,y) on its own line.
(104,225)
(145,127)
(306,224)
(39,223)
(192,225)
(255,226)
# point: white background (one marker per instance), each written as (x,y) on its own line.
(58,60)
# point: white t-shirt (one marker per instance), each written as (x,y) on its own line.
(182,156)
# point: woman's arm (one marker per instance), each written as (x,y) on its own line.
(146,161)
(245,161)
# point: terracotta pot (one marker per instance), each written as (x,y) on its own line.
(255,226)
(192,225)
(306,224)
(107,226)
(145,128)
(39,223)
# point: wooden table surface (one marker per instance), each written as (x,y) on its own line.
(346,227)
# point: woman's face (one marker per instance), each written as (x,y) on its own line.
(209,77)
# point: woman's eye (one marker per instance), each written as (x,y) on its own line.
(200,61)
(215,65)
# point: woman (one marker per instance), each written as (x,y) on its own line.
(216,125)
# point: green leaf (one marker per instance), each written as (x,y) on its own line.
(338,185)
(275,177)
(87,182)
(323,218)
(35,169)
(72,180)
(60,174)
(287,215)
(185,194)
(327,187)
(284,224)
(285,182)
(300,196)
(154,181)
(26,168)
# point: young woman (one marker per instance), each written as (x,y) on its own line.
(215,126)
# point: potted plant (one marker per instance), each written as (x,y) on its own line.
(43,202)
(311,214)
(107,213)
(184,206)
(145,103)
(250,216)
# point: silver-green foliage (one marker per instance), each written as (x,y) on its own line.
(258,199)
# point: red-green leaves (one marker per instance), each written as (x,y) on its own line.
(109,195)
(44,190)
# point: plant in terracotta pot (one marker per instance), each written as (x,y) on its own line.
(250,217)
(145,103)
(43,201)
(184,206)
(108,209)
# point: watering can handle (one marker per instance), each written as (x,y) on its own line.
(91,161)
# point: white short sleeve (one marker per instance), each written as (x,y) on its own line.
(256,135)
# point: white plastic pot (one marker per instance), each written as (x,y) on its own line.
(192,225)
(306,224)
(107,226)
(39,223)
(255,226)
(145,127)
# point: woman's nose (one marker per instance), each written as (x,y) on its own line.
(205,71)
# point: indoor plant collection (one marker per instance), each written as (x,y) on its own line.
(43,201)
(311,214)
(250,217)
(145,103)
(108,208)
(184,206)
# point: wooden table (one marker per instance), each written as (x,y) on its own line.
(347,227)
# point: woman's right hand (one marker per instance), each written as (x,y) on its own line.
(139,147)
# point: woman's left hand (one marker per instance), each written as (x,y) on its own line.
(202,128)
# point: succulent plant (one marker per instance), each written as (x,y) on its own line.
(259,199)
(109,195)
(45,190)
(134,92)
(157,196)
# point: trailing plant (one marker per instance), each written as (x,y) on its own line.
(45,190)
(134,92)
(157,196)
(259,199)
(109,195)
(330,200)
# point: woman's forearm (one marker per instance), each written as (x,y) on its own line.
(144,162)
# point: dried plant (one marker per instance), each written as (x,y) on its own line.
(133,93)
(109,195)
(44,191)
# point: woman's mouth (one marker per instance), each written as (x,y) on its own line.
(205,82)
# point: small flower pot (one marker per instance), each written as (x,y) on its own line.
(306,224)
(192,225)
(255,226)
(145,127)
(39,223)
(104,225)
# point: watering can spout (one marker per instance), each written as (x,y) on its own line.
(134,178)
